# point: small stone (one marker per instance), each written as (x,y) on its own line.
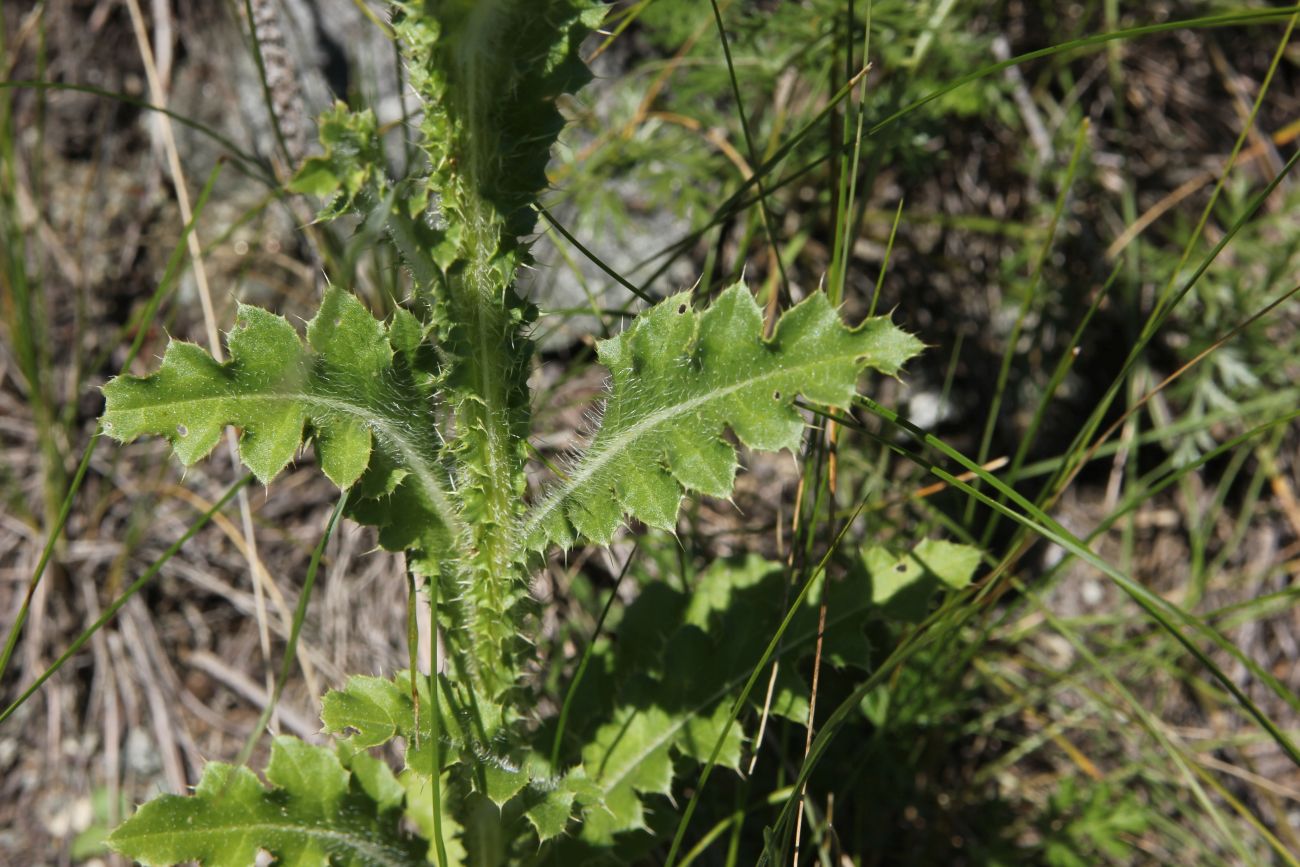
(141,755)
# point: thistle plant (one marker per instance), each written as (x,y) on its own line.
(423,420)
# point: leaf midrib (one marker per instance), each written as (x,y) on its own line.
(591,463)
(365,847)
(410,451)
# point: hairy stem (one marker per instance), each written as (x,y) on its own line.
(492,423)
(488,129)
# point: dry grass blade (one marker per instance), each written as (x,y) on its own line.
(159,94)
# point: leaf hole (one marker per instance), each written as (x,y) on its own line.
(681,308)
(182,430)
(776,395)
(901,567)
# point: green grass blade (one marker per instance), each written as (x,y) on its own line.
(295,629)
(763,209)
(248,163)
(572,691)
(1168,616)
(737,201)
(1035,281)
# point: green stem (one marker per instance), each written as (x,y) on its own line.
(486,178)
(492,423)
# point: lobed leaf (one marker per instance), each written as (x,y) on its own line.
(680,379)
(550,815)
(352,164)
(311,814)
(370,711)
(363,404)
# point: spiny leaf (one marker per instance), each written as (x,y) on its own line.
(341,383)
(630,756)
(192,398)
(352,164)
(551,813)
(504,781)
(376,780)
(271,387)
(371,711)
(312,814)
(680,378)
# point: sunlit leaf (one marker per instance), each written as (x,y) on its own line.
(682,378)
(311,814)
(340,386)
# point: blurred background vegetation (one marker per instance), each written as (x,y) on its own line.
(1026,225)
